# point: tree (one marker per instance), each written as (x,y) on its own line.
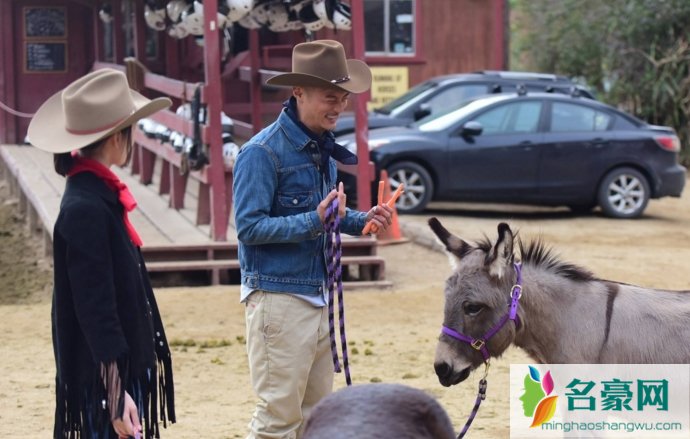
(634,53)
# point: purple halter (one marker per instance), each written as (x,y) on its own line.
(480,343)
(335,277)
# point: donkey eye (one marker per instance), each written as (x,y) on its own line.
(472,309)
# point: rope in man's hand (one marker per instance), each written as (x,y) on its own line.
(335,278)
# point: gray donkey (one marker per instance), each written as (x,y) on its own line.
(564,315)
(378,411)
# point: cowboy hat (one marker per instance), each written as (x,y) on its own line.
(89,109)
(323,63)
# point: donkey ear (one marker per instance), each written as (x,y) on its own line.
(454,245)
(501,256)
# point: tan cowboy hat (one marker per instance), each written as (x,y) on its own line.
(323,63)
(89,109)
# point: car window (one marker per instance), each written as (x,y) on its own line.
(624,123)
(407,96)
(514,117)
(572,117)
(445,119)
(453,96)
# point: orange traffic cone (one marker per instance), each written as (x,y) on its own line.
(392,233)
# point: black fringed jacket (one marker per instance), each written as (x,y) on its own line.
(107,332)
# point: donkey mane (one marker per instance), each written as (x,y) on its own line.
(540,255)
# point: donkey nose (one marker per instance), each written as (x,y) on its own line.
(443,370)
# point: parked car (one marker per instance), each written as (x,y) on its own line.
(442,92)
(530,148)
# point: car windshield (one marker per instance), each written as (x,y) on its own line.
(411,94)
(441,121)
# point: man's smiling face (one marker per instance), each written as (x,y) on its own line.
(319,107)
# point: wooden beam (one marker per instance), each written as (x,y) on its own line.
(364,177)
(255,82)
(213,98)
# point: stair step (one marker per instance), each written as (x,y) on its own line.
(231,264)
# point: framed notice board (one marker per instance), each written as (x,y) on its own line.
(45,39)
(45,22)
(43,56)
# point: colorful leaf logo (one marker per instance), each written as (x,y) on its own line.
(545,411)
(547,383)
(534,373)
(537,401)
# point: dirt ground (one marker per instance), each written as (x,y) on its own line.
(391,332)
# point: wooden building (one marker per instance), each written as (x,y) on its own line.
(44,45)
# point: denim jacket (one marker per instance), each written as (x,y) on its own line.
(277,187)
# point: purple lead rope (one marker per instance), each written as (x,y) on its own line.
(335,277)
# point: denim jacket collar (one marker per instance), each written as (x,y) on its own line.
(326,143)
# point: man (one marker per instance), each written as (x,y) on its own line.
(284,180)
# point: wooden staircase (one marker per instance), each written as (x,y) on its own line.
(361,266)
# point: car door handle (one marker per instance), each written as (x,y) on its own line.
(526,145)
(600,143)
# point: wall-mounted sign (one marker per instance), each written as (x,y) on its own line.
(387,84)
(44,22)
(45,57)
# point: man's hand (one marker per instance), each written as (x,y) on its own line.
(129,425)
(381,216)
(342,200)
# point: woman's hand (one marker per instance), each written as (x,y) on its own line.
(129,425)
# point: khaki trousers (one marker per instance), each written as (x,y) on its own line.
(290,362)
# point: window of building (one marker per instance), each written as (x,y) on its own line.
(389,27)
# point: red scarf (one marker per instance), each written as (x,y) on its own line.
(124,195)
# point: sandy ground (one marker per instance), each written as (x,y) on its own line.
(391,332)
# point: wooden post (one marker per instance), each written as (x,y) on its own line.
(118,33)
(147,164)
(213,98)
(8,33)
(364,177)
(178,187)
(255,85)
(139,29)
(499,43)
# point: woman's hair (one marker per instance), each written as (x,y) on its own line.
(64,161)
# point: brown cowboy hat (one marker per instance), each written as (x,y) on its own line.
(323,63)
(89,109)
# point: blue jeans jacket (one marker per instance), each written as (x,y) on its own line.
(277,186)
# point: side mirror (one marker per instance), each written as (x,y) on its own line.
(472,129)
(423,111)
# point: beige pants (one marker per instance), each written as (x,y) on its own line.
(290,362)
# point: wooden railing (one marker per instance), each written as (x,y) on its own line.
(173,178)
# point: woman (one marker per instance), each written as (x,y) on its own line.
(111,352)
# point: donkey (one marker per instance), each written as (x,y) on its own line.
(369,411)
(565,314)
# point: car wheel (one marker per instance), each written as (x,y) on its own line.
(418,186)
(624,193)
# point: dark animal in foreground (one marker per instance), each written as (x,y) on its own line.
(378,411)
